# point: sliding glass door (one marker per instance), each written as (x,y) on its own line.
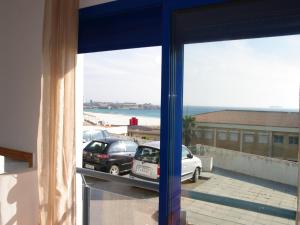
(239,123)
(229,107)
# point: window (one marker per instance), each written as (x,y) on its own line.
(278,139)
(216,75)
(121,90)
(293,140)
(198,133)
(147,154)
(233,136)
(222,135)
(208,134)
(228,77)
(184,153)
(131,147)
(117,147)
(263,138)
(96,147)
(249,138)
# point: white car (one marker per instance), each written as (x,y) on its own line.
(145,165)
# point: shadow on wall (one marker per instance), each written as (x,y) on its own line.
(0,214)
(19,198)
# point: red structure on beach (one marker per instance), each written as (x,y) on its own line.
(133,121)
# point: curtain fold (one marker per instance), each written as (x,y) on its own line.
(56,138)
(298,197)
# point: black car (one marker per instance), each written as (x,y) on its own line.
(109,155)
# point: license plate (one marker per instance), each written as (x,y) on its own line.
(143,170)
(88,166)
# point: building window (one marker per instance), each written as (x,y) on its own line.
(208,134)
(293,140)
(249,138)
(233,136)
(263,139)
(222,136)
(278,139)
(198,133)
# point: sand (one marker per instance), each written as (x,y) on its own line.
(117,119)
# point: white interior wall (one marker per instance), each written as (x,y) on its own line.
(16,206)
(21,25)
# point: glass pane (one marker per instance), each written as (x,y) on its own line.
(117,147)
(241,103)
(122,112)
(111,204)
(96,146)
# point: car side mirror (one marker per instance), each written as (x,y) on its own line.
(190,156)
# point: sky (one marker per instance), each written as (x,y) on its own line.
(259,73)
(123,76)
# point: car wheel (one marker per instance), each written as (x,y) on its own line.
(196,175)
(114,170)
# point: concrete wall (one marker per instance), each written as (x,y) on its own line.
(281,171)
(21,24)
(18,198)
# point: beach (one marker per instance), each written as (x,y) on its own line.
(119,119)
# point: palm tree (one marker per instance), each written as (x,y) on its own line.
(188,129)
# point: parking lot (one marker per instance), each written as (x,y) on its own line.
(221,197)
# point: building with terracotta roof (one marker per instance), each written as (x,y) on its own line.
(144,132)
(273,134)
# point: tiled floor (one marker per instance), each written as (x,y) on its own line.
(240,187)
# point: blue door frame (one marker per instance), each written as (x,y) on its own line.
(171,117)
(114,26)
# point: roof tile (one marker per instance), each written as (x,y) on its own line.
(257,118)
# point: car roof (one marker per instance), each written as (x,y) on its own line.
(93,131)
(110,140)
(154,144)
(93,128)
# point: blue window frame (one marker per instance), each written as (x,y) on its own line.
(173,23)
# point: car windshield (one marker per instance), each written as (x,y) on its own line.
(147,154)
(105,133)
(96,147)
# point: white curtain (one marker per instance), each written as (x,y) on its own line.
(298,197)
(56,140)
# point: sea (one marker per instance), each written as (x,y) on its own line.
(187,110)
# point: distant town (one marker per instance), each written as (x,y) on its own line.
(113,105)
